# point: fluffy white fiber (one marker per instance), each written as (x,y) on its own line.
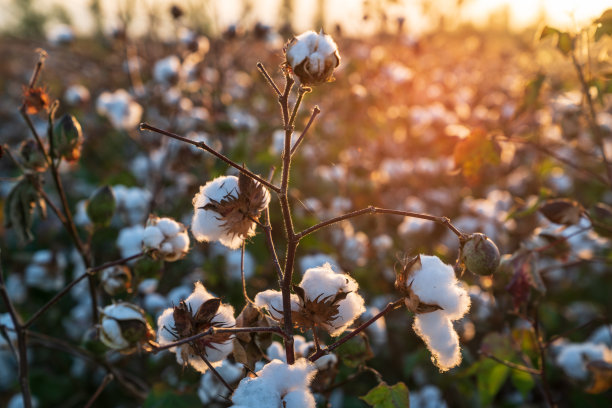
(272,301)
(322,282)
(185,353)
(208,225)
(435,283)
(129,240)
(211,389)
(573,358)
(110,330)
(277,385)
(167,238)
(120,108)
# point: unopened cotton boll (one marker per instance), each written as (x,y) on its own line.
(123,326)
(277,385)
(224,210)
(199,312)
(166,239)
(312,57)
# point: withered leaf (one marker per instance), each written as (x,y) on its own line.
(207,311)
(562,211)
(602,376)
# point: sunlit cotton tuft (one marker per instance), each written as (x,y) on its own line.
(165,239)
(224,210)
(312,57)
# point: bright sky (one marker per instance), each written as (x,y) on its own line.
(565,14)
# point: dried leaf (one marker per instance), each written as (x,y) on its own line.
(602,376)
(562,211)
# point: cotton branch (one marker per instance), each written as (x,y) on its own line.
(215,330)
(376,210)
(205,147)
(21,343)
(90,272)
(391,306)
(314,114)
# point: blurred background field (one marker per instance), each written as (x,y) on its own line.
(449,108)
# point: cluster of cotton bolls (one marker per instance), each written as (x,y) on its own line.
(434,283)
(321,289)
(183,321)
(120,108)
(46,270)
(166,239)
(277,385)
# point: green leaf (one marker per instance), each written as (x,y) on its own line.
(490,378)
(522,381)
(565,43)
(548,31)
(604,25)
(385,396)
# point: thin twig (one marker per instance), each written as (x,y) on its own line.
(297,143)
(214,371)
(391,306)
(21,342)
(542,357)
(512,365)
(244,291)
(62,293)
(270,244)
(205,147)
(592,118)
(214,330)
(375,210)
(107,379)
(263,71)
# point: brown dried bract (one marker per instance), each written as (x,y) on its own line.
(187,324)
(238,212)
(320,312)
(35,100)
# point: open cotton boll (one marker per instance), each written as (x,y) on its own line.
(120,108)
(312,57)
(436,296)
(573,358)
(272,301)
(441,338)
(328,300)
(215,347)
(166,70)
(224,210)
(277,385)
(165,239)
(435,283)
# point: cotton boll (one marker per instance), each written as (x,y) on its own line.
(120,108)
(76,95)
(442,341)
(224,213)
(325,282)
(573,358)
(275,382)
(216,348)
(435,283)
(165,239)
(152,237)
(166,70)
